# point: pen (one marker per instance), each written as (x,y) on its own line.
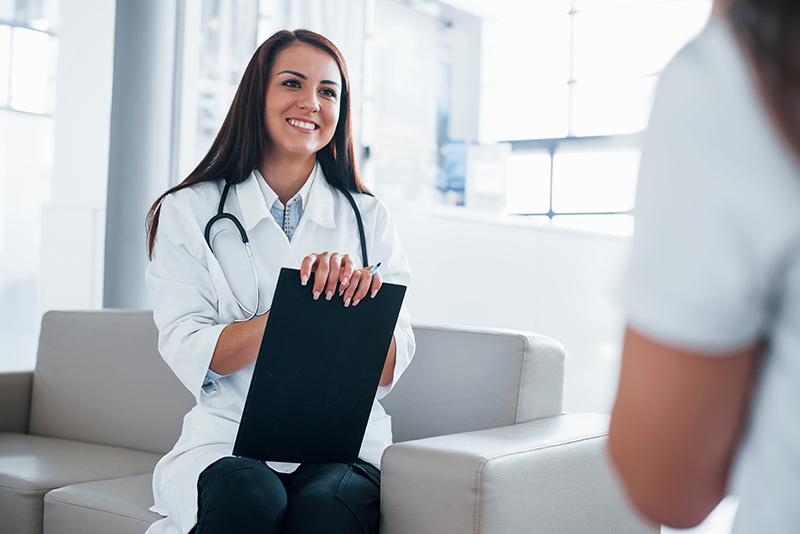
(375,268)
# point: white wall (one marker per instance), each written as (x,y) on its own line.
(506,273)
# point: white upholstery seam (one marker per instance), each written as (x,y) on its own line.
(64,485)
(28,490)
(97,509)
(525,345)
(476,521)
(548,446)
(105,312)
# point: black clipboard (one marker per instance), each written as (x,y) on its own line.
(316,375)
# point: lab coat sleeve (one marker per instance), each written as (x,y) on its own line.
(184,299)
(388,250)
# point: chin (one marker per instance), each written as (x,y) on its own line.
(297,149)
(304,151)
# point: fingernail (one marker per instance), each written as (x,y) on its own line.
(374,292)
(303,280)
(355,302)
(346,302)
(329,295)
(316,294)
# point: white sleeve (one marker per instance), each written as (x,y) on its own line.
(387,249)
(696,277)
(184,300)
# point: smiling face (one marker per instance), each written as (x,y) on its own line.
(302,100)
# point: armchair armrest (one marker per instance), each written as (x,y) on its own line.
(15,401)
(546,475)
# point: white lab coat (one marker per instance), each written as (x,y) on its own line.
(193,301)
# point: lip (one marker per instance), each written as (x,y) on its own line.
(303,129)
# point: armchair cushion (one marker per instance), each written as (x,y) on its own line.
(33,465)
(118,505)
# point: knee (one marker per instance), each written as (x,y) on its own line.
(352,506)
(243,488)
(321,511)
(317,504)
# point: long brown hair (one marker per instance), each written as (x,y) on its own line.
(240,144)
(770,32)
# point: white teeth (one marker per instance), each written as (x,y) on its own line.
(302,124)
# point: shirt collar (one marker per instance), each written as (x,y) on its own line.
(271,197)
(255,200)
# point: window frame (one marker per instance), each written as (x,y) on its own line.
(13,25)
(551,146)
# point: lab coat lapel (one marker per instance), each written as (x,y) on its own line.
(273,247)
(313,232)
(319,208)
(270,245)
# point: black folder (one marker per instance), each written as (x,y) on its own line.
(316,375)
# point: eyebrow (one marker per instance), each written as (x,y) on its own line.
(304,77)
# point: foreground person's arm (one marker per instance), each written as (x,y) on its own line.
(675,426)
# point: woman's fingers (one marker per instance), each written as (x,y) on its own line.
(355,279)
(306,267)
(333,275)
(377,282)
(321,274)
(364,282)
(331,270)
(345,273)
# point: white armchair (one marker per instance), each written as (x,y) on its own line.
(482,445)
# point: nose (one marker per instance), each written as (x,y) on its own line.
(309,102)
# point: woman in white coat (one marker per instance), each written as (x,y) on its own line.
(284,160)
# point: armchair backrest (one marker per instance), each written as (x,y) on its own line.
(99,378)
(464,379)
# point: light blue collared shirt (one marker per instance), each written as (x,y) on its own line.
(288,218)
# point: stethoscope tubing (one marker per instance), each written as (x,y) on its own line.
(222,214)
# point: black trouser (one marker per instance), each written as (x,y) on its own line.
(244,495)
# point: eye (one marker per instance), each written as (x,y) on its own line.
(330,93)
(291,82)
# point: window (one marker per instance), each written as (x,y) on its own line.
(570,84)
(28,49)
(562,81)
(5,64)
(219,38)
(27,82)
(219,41)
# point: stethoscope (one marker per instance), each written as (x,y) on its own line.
(221,214)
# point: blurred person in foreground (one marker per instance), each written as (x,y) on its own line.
(709,390)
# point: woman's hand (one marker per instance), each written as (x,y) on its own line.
(334,269)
